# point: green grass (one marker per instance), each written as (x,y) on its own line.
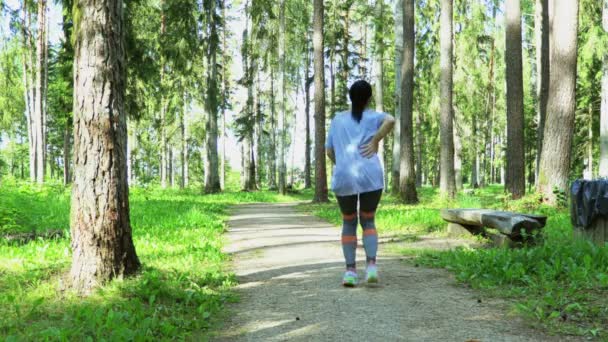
(561,284)
(178,294)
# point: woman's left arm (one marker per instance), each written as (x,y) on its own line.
(370,149)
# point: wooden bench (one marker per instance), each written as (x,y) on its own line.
(514,228)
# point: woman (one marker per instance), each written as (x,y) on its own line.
(358,179)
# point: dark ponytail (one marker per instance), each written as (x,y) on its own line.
(360,93)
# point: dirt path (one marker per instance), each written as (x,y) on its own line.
(290,265)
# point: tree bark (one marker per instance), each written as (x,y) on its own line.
(282,109)
(39,100)
(163,107)
(212,177)
(604,106)
(588,172)
(379,79)
(272,165)
(320,173)
(225,97)
(307,144)
(516,172)
(458,178)
(559,128)
(543,68)
(66,155)
(102,244)
(398,56)
(184,147)
(407,174)
(27,91)
(447,179)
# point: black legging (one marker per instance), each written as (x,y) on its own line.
(368,203)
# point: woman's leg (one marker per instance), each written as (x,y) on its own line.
(368,204)
(348,207)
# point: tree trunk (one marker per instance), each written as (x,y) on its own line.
(379,82)
(320,175)
(66,155)
(102,243)
(259,152)
(39,100)
(27,92)
(212,177)
(272,164)
(559,128)
(407,174)
(172,166)
(225,97)
(516,172)
(588,173)
(420,149)
(447,179)
(45,85)
(282,109)
(398,57)
(458,179)
(604,106)
(184,147)
(307,145)
(163,108)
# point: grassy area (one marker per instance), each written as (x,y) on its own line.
(561,284)
(178,294)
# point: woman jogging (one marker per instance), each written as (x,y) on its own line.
(358,178)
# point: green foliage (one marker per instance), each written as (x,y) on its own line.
(178,295)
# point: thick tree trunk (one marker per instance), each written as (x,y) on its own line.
(102,243)
(320,173)
(398,57)
(282,109)
(447,182)
(559,128)
(604,106)
(407,174)
(516,172)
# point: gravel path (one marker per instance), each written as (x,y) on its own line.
(289,265)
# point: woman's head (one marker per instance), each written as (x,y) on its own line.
(360,93)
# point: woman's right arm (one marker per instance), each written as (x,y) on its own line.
(369,150)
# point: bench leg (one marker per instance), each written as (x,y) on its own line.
(459,230)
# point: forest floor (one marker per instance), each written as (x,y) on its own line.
(289,266)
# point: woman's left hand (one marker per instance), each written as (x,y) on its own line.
(370,149)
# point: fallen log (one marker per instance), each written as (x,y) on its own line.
(26,237)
